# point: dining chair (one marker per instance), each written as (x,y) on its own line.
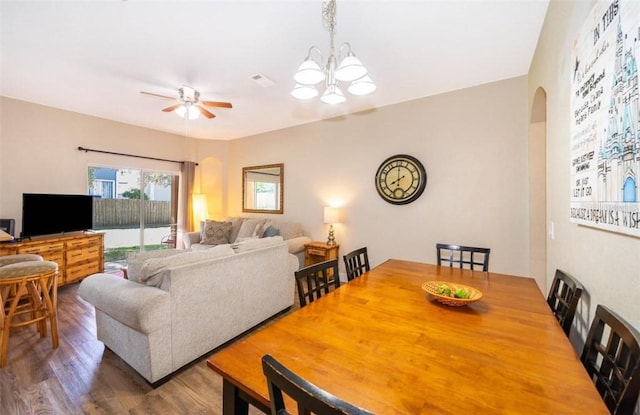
(563,298)
(309,397)
(611,356)
(356,263)
(314,280)
(464,256)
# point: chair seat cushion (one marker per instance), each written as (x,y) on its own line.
(25,269)
(12,259)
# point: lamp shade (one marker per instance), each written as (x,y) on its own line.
(331,214)
(350,69)
(362,86)
(304,91)
(309,73)
(192,112)
(333,95)
(5,236)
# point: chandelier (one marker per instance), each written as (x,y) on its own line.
(310,73)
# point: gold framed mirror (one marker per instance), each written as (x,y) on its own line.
(263,188)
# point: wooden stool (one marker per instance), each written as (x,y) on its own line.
(35,288)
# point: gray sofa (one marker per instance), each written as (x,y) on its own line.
(185,304)
(245,227)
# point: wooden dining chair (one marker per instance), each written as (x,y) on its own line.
(356,263)
(314,280)
(563,298)
(611,356)
(464,256)
(309,397)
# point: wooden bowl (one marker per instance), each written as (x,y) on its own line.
(432,288)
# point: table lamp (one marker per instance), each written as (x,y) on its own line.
(331,216)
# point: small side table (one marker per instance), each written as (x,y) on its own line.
(315,252)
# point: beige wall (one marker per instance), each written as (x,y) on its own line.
(606,263)
(473,144)
(39,151)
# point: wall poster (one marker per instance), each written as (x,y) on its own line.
(605,119)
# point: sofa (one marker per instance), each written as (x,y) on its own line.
(237,229)
(178,306)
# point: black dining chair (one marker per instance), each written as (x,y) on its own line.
(309,397)
(464,256)
(356,263)
(611,356)
(314,280)
(563,298)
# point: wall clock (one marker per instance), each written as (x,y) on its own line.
(401,179)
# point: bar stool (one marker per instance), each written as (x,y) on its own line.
(28,295)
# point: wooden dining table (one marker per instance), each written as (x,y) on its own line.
(382,343)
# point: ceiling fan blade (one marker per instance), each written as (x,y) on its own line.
(205,112)
(157,95)
(216,104)
(171,108)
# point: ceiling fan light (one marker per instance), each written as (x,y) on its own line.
(362,86)
(191,112)
(333,95)
(350,69)
(309,73)
(304,92)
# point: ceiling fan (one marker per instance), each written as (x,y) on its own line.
(189,104)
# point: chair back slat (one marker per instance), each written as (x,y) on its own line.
(611,356)
(563,298)
(356,263)
(317,279)
(463,256)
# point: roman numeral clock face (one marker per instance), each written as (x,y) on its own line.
(401,179)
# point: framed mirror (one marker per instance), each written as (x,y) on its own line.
(263,188)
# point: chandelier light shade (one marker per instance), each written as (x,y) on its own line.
(350,69)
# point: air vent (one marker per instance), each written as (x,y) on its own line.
(262,80)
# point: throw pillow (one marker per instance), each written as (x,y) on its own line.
(271,231)
(235,228)
(216,233)
(250,228)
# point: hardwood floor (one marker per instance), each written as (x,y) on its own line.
(82,377)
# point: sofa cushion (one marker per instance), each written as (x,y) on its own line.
(135,260)
(289,230)
(152,272)
(250,228)
(216,233)
(256,243)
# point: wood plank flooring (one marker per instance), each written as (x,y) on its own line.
(82,377)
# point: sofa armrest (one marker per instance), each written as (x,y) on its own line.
(190,238)
(143,308)
(296,245)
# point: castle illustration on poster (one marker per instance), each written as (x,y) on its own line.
(605,134)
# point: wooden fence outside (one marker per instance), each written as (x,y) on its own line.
(125,213)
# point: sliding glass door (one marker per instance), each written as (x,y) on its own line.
(136,209)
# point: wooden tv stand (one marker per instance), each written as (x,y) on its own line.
(78,254)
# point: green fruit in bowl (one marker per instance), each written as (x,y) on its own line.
(444,290)
(461,293)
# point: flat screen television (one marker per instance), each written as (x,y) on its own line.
(46,214)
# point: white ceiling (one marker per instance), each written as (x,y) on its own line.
(95,57)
